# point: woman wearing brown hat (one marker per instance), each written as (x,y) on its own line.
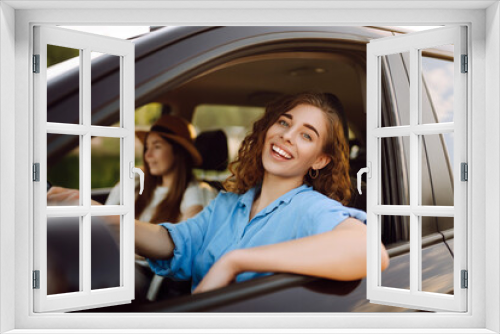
(171,192)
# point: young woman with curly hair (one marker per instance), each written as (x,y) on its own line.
(331,180)
(282,212)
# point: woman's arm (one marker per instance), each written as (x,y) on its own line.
(153,241)
(339,254)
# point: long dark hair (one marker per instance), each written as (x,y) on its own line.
(169,209)
(333,180)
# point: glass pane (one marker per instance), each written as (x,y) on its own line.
(105,89)
(235,121)
(395,90)
(105,253)
(449,141)
(145,116)
(437,84)
(63,165)
(63,255)
(437,172)
(396,239)
(437,254)
(395,170)
(105,170)
(63,91)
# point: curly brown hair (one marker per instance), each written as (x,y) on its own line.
(333,180)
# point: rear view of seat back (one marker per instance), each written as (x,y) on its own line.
(212,146)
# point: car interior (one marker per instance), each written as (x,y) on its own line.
(251,80)
(272,75)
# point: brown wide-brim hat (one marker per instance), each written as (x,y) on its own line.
(175,129)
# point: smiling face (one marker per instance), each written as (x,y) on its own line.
(294,144)
(158,155)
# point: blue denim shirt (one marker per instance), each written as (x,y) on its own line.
(224,226)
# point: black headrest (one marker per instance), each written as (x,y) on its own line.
(335,102)
(212,146)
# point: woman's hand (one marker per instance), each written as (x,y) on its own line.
(65,196)
(222,273)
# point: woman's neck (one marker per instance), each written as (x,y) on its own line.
(167,180)
(274,187)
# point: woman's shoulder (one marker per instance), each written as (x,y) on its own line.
(198,185)
(227,196)
(314,203)
(318,206)
(227,200)
(310,197)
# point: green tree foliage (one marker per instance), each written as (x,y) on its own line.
(147,114)
(58,54)
(208,117)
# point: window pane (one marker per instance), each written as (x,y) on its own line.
(396,238)
(63,103)
(395,170)
(449,141)
(395,90)
(145,116)
(235,121)
(105,253)
(437,172)
(437,254)
(63,255)
(105,169)
(437,85)
(105,89)
(63,164)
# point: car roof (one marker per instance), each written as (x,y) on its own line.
(188,66)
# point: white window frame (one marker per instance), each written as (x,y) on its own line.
(414,43)
(484,212)
(86,43)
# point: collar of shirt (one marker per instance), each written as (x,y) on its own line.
(247,198)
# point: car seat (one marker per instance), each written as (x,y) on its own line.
(212,146)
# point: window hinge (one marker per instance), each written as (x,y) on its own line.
(36,279)
(464,168)
(36,63)
(465,64)
(36,172)
(465,279)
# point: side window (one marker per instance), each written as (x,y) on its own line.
(395,167)
(437,150)
(145,116)
(235,121)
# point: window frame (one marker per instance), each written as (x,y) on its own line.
(414,131)
(86,44)
(484,306)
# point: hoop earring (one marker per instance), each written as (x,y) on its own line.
(313,173)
